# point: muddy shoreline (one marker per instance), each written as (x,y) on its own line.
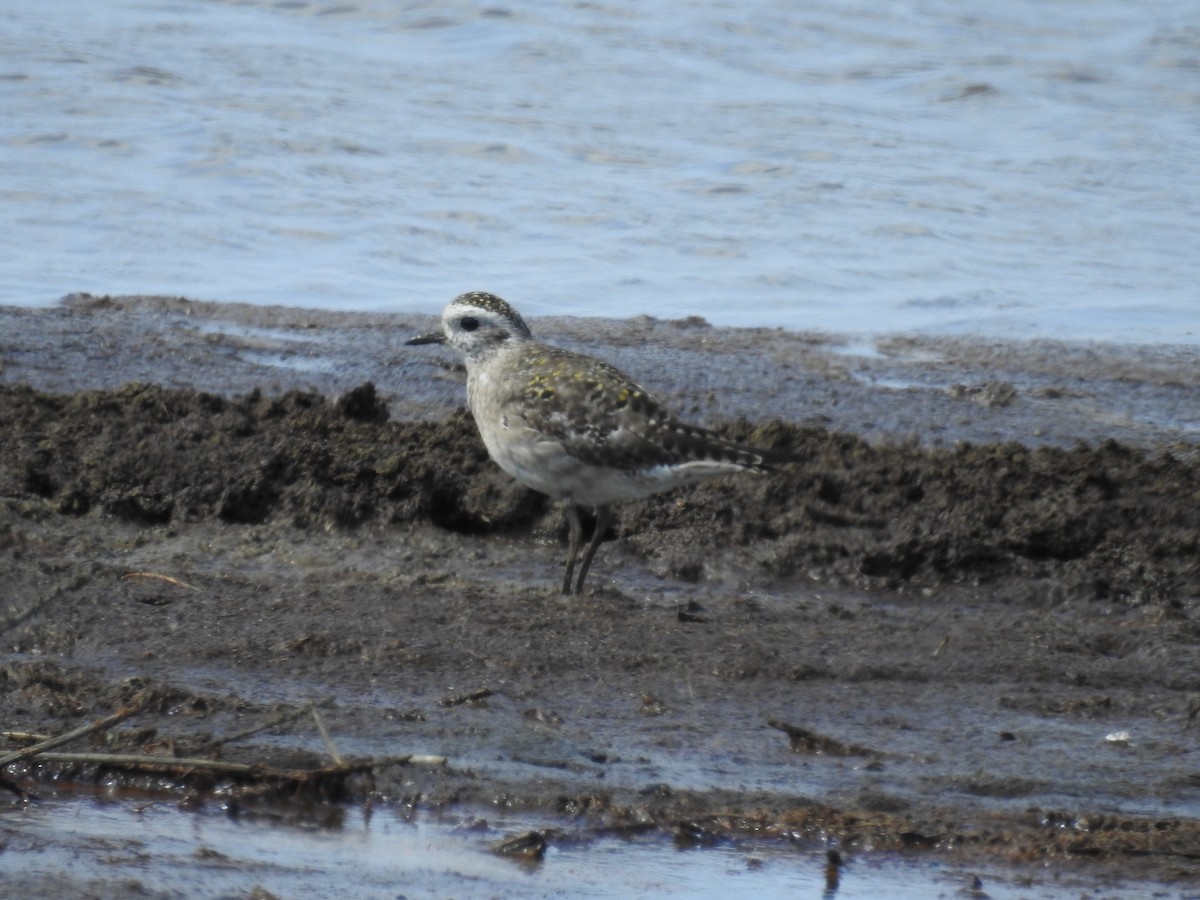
(979,594)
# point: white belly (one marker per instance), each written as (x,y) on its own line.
(545,466)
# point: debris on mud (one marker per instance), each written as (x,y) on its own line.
(959,621)
(1108,523)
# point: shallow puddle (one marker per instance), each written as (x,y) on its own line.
(102,848)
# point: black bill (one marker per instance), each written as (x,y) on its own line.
(434,337)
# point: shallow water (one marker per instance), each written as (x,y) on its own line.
(153,848)
(1031,169)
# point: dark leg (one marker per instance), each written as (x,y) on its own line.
(576,532)
(602,520)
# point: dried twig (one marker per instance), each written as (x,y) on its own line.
(805,741)
(329,745)
(460,699)
(23,736)
(83,731)
(43,751)
(281,719)
(169,579)
(158,763)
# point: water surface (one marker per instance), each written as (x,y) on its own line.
(1027,169)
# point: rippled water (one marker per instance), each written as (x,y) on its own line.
(153,849)
(1027,168)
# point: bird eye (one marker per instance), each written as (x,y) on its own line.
(470,323)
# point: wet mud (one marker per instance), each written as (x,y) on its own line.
(966,625)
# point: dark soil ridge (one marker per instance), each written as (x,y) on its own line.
(1107,522)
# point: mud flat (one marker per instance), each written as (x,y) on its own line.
(964,631)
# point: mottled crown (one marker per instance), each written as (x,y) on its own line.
(492,303)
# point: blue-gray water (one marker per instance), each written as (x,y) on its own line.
(154,849)
(1023,169)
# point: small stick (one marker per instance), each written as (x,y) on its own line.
(416,759)
(289,716)
(134,761)
(169,579)
(23,736)
(460,699)
(83,731)
(329,745)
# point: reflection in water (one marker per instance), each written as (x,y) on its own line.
(85,845)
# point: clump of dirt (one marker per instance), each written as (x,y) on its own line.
(1110,523)
(148,455)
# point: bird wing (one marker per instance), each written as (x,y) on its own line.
(601,416)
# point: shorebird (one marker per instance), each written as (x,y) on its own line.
(574,427)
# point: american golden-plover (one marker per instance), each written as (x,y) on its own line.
(574,427)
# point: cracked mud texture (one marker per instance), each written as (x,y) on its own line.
(982,583)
